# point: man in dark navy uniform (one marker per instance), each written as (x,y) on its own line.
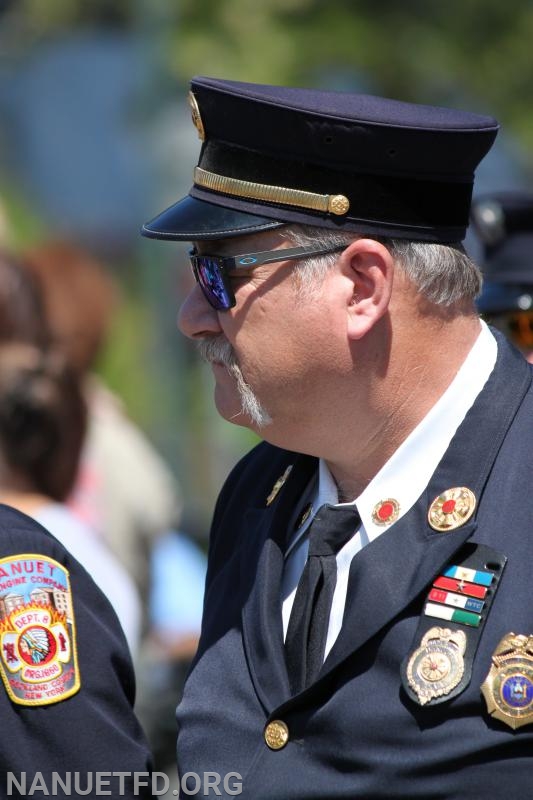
(367,627)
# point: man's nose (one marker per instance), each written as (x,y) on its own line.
(196,318)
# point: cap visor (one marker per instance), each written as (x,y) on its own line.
(193,220)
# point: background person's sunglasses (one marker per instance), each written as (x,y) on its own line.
(213,272)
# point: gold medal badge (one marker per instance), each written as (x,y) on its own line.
(508,688)
(437,666)
(451,509)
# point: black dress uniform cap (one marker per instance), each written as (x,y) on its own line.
(503,222)
(273,155)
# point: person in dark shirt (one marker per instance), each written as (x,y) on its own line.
(68,688)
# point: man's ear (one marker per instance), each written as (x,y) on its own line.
(370,268)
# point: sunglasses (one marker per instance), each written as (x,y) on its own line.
(212,273)
(516,325)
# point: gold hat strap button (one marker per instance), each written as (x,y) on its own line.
(276,734)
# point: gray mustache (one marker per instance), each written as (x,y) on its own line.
(216,348)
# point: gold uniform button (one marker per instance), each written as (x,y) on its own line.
(276,734)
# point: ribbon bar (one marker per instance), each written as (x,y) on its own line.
(461,587)
(452,615)
(457,600)
(472,575)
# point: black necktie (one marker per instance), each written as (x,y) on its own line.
(305,642)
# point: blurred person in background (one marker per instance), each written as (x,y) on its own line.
(22,313)
(68,686)
(503,222)
(178,570)
(42,427)
(124,489)
(126,492)
(40,487)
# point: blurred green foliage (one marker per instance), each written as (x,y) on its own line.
(121,363)
(22,225)
(475,54)
(477,51)
(423,50)
(42,18)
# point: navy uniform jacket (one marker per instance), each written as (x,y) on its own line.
(356,733)
(94,730)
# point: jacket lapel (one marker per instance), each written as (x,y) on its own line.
(261,616)
(388,574)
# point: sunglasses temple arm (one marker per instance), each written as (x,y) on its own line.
(288,254)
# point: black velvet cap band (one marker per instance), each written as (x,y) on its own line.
(404,170)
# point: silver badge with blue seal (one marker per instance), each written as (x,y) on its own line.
(508,688)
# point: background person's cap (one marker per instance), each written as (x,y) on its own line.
(503,222)
(273,155)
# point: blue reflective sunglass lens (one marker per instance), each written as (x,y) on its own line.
(211,280)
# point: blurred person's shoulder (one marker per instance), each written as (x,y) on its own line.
(121,450)
(31,557)
(101,563)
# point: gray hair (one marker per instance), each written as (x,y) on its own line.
(443,274)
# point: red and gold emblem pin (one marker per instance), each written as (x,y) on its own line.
(385,512)
(196,118)
(277,486)
(508,688)
(451,509)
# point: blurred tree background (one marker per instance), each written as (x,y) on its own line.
(95,138)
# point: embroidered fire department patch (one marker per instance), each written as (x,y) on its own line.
(38,657)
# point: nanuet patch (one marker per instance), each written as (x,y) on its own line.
(38,657)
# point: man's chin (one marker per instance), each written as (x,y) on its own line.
(235,400)
(230,409)
(244,419)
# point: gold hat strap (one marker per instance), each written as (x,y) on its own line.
(327,203)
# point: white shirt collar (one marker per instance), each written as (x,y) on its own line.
(407,473)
